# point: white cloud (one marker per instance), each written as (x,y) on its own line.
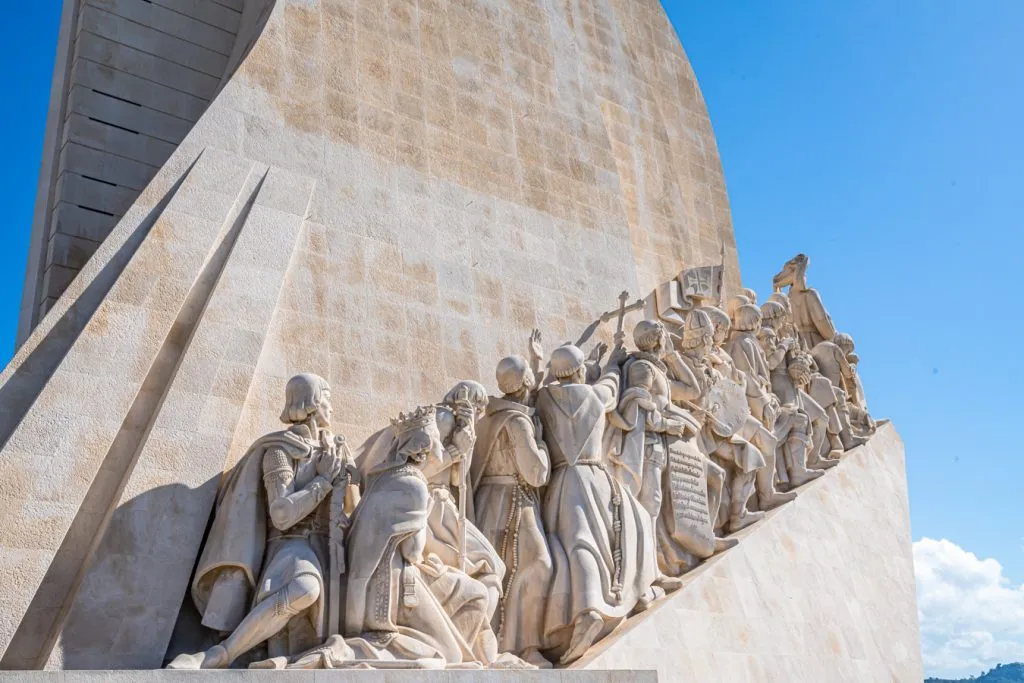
(972,617)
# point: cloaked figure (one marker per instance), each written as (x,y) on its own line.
(601,538)
(260,577)
(657,453)
(813,323)
(510,467)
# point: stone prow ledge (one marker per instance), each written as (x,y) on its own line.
(717,596)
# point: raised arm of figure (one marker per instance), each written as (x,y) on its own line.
(607,387)
(536,350)
(532,461)
(682,382)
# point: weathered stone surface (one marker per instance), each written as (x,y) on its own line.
(335,676)
(822,590)
(393,196)
(579,127)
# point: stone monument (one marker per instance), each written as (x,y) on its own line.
(352,209)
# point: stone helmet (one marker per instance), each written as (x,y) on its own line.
(750,294)
(782,299)
(772,311)
(566,361)
(734,303)
(648,334)
(513,374)
(698,329)
(747,318)
(719,318)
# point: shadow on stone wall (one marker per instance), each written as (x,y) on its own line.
(90,648)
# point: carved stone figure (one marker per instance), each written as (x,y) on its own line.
(657,457)
(261,574)
(775,317)
(404,606)
(401,598)
(733,305)
(723,410)
(754,430)
(807,420)
(510,466)
(602,540)
(832,360)
(859,415)
(748,356)
(790,425)
(776,336)
(812,321)
(453,537)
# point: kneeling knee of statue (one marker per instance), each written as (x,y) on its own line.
(300,594)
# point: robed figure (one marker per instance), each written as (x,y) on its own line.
(404,607)
(452,536)
(656,454)
(601,539)
(399,599)
(510,466)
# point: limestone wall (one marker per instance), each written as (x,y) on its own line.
(389,194)
(590,114)
(822,590)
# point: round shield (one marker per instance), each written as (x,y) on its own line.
(726,402)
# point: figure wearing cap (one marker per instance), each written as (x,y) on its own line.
(657,457)
(602,540)
(722,440)
(510,465)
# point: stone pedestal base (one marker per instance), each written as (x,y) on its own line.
(336,676)
(822,590)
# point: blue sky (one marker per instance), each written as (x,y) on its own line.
(31,33)
(884,138)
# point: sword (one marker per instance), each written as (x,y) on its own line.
(462,515)
(339,512)
(459,479)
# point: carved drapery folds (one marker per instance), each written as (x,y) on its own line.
(518,530)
